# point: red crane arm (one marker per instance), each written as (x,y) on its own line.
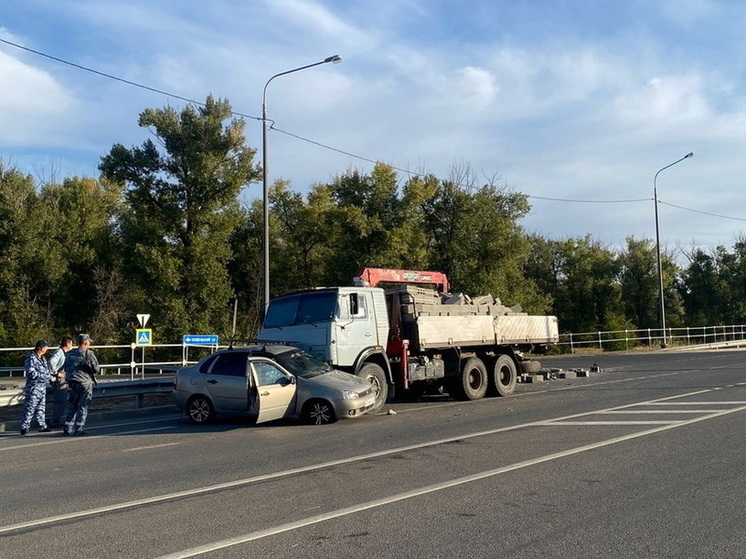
(374,276)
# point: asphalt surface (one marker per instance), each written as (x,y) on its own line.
(643,459)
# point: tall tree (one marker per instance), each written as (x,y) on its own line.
(367,213)
(83,212)
(181,208)
(587,296)
(639,282)
(26,282)
(476,239)
(701,289)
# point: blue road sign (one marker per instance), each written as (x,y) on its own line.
(143,336)
(200,339)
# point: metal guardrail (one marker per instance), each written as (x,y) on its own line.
(111,389)
(628,339)
(137,366)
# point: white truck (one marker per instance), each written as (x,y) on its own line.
(412,339)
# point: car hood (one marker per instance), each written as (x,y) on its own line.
(341,381)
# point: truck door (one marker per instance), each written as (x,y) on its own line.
(273,389)
(355,328)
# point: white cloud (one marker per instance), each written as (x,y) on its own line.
(687,13)
(667,98)
(31,101)
(477,86)
(313,17)
(587,105)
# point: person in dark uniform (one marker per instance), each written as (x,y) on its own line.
(81,368)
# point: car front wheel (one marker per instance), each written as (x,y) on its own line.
(318,412)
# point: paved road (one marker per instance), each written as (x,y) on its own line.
(642,460)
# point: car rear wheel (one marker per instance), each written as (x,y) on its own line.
(318,412)
(200,410)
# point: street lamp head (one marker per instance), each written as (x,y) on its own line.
(688,155)
(336,59)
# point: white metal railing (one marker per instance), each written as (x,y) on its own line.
(134,368)
(609,340)
(627,339)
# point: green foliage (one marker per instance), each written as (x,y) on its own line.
(639,282)
(26,281)
(162,232)
(580,275)
(180,212)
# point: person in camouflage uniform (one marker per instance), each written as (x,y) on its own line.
(81,368)
(38,374)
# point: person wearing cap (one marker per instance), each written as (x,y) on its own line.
(81,368)
(59,382)
(38,374)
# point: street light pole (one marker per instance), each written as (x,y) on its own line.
(265,187)
(658,249)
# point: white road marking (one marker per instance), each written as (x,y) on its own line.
(151,447)
(700,403)
(252,536)
(632,412)
(576,423)
(311,468)
(62,439)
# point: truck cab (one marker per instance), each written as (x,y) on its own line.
(336,324)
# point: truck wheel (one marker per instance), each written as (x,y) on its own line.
(374,374)
(472,382)
(529,366)
(504,375)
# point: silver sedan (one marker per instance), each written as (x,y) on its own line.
(270,382)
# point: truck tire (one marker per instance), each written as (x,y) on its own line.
(504,376)
(374,374)
(529,366)
(472,382)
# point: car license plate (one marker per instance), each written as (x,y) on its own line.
(369,402)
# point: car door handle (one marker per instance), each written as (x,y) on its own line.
(212,381)
(265,393)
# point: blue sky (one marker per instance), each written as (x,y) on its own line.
(576,103)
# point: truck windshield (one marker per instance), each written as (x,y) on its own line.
(303,308)
(303,364)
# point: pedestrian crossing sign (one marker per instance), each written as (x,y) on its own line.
(144,336)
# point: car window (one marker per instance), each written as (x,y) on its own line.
(230,363)
(207,363)
(267,373)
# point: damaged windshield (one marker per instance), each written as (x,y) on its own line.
(303,364)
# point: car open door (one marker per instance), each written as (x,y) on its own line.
(273,388)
